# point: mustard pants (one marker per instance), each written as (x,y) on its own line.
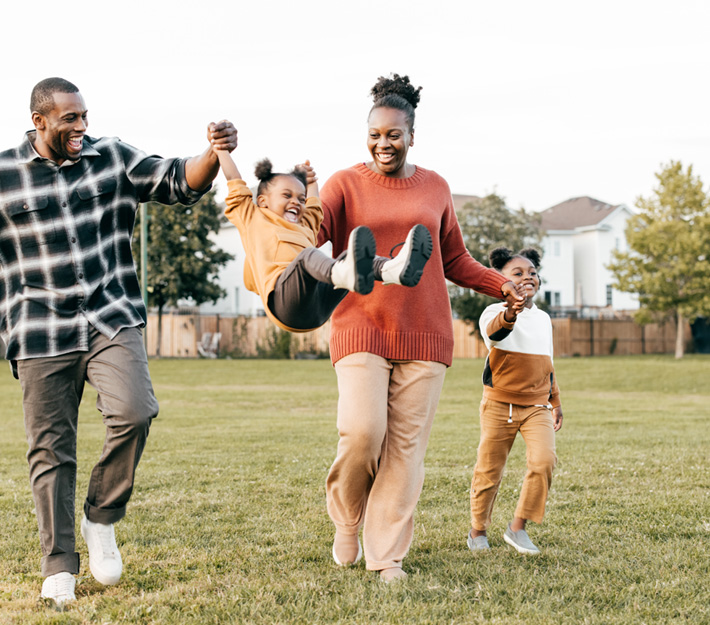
(500,425)
(385,412)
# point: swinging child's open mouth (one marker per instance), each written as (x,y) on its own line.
(292,215)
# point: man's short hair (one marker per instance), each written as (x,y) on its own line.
(42,98)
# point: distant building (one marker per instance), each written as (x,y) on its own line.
(581,234)
(461,200)
(237,301)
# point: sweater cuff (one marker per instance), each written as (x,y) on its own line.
(508,325)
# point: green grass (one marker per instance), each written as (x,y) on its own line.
(228,521)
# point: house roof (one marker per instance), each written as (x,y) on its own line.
(461,200)
(576,212)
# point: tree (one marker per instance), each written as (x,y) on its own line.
(487,224)
(182,260)
(669,240)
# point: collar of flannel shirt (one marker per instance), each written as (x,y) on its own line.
(27,153)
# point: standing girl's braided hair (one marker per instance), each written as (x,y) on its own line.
(396,92)
(501,256)
(264,172)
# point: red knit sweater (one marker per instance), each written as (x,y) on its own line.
(397,322)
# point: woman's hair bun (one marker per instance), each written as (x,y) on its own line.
(396,85)
(263,169)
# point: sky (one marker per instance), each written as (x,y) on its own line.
(536,101)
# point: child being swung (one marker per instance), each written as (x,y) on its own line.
(520,394)
(299,285)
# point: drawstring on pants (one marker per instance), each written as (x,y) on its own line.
(510,410)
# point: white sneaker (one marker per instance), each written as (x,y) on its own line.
(520,541)
(104,558)
(477,543)
(354,272)
(59,588)
(406,268)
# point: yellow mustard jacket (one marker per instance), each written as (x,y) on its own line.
(270,242)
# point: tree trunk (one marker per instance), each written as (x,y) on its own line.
(679,336)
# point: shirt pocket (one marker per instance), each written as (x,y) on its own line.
(32,221)
(288,246)
(93,203)
(96,190)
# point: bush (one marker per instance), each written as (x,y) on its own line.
(276,345)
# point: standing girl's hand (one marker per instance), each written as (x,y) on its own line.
(514,300)
(513,310)
(513,293)
(557,417)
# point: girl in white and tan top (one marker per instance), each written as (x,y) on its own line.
(520,394)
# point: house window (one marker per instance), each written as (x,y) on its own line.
(236,299)
(608,294)
(553,298)
(556,248)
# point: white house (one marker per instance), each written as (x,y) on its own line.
(581,234)
(237,301)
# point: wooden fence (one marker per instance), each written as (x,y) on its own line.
(604,337)
(257,336)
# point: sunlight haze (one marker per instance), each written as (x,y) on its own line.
(538,102)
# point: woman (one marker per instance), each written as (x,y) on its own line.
(391,349)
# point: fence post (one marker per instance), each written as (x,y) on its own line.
(591,337)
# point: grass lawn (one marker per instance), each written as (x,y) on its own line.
(228,521)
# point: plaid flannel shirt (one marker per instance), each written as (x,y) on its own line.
(65,242)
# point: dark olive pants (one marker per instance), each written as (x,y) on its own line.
(304,297)
(52,390)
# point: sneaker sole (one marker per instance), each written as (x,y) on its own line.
(59,606)
(419,254)
(518,548)
(362,244)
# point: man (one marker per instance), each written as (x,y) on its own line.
(71,312)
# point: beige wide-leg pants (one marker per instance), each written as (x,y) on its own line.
(385,412)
